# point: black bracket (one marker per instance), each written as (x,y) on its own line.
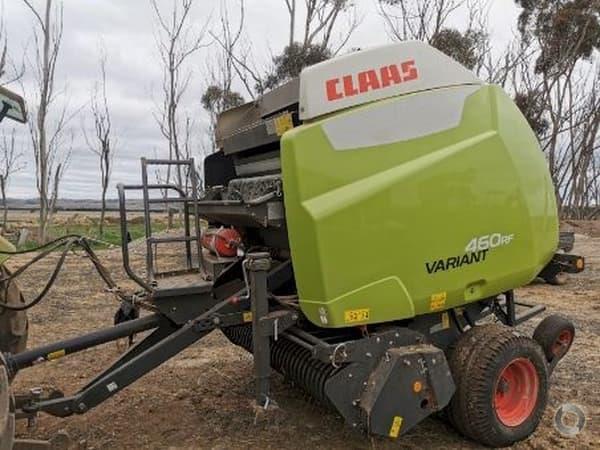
(276,322)
(167,339)
(506,310)
(258,264)
(366,348)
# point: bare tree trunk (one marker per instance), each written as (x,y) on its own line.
(291,6)
(4,205)
(102,214)
(9,164)
(41,124)
(103,144)
(176,43)
(46,145)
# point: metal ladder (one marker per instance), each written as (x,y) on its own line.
(191,225)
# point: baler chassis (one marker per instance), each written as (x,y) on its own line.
(383,378)
(337,367)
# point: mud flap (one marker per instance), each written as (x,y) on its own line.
(409,384)
(390,394)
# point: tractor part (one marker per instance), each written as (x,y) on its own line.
(12,106)
(555,334)
(225,242)
(502,387)
(7,416)
(14,325)
(13,322)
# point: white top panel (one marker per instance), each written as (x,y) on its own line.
(377,73)
(399,119)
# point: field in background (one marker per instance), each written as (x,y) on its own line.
(84,224)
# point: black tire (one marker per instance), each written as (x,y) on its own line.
(11,342)
(489,421)
(555,334)
(14,325)
(7,416)
(458,354)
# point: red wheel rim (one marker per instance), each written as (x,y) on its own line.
(562,343)
(516,392)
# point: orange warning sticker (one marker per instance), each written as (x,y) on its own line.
(438,301)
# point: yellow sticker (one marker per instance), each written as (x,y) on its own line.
(356,315)
(445,321)
(55,355)
(283,123)
(247,316)
(438,301)
(396,425)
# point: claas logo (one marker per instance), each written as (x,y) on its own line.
(371,80)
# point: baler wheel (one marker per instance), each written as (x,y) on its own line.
(555,335)
(503,390)
(458,355)
(516,392)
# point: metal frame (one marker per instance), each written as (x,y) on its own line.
(348,362)
(152,241)
(346,368)
(187,238)
(165,341)
(333,365)
(258,265)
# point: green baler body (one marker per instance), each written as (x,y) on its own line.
(391,231)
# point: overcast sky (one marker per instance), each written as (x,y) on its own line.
(127,31)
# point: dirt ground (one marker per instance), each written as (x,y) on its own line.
(202,397)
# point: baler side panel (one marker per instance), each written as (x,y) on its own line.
(369,226)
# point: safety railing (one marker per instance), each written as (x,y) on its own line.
(189,202)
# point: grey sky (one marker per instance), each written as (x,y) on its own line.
(134,76)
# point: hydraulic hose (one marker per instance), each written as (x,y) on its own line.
(67,243)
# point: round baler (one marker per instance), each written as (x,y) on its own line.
(367,226)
